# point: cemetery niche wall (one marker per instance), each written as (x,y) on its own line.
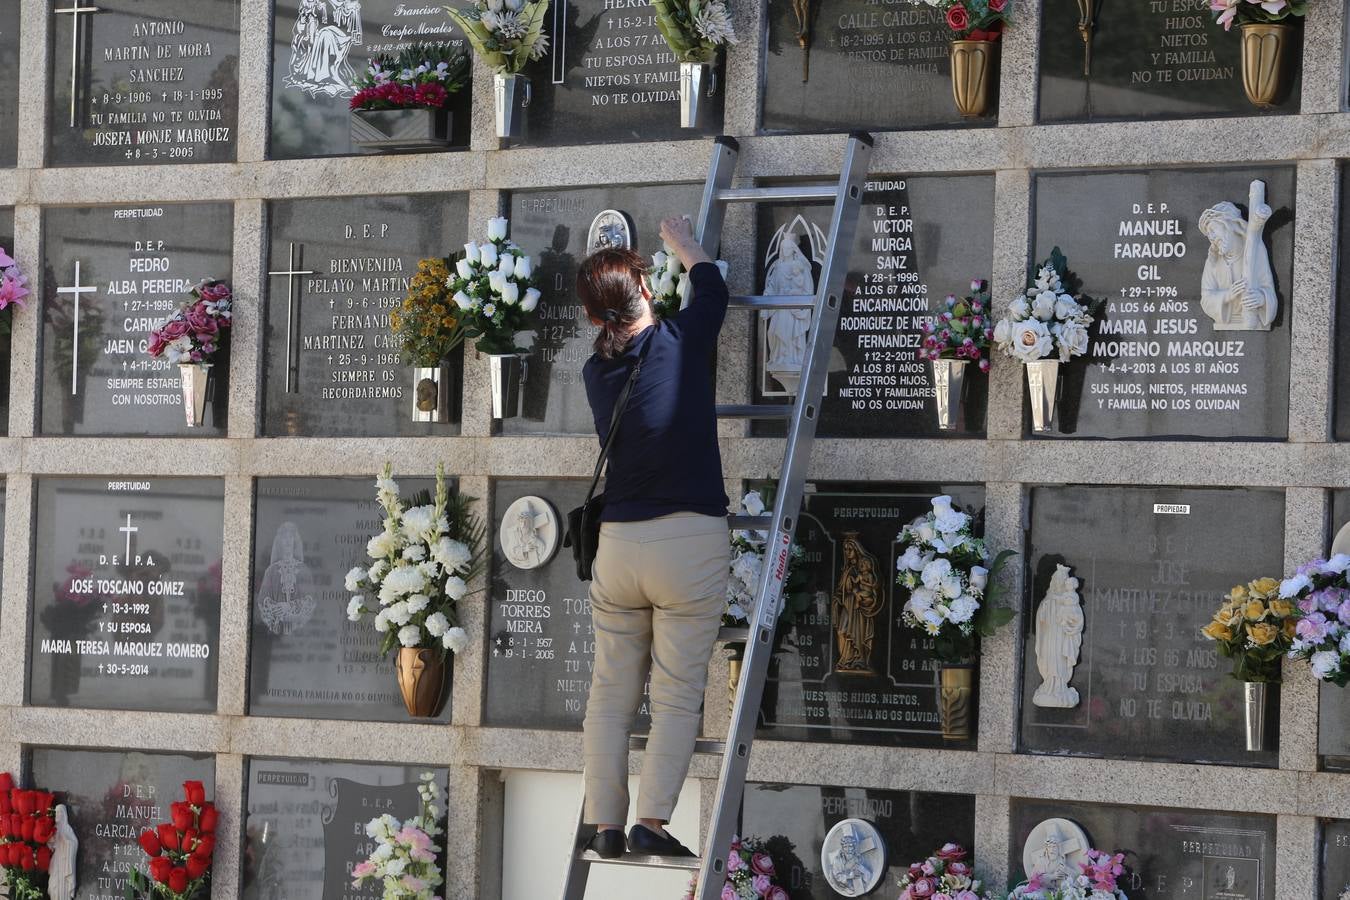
(9,83)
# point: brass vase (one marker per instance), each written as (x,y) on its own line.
(421,680)
(957,685)
(1265,52)
(972,75)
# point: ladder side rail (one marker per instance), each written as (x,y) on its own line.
(787,505)
(578,871)
(712,211)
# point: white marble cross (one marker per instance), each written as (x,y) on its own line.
(292,320)
(77,289)
(74,11)
(128,529)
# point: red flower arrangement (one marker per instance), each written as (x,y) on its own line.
(973,20)
(180,851)
(411,81)
(27,826)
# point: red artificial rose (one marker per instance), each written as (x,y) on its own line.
(149,842)
(209,818)
(9,854)
(48,801)
(958,17)
(23,802)
(15,824)
(182,815)
(174,329)
(29,829)
(178,880)
(45,830)
(188,841)
(6,782)
(5,806)
(196,868)
(160,867)
(168,836)
(997,5)
(195,792)
(205,847)
(44,858)
(26,860)
(217,291)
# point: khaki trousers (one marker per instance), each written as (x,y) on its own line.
(657,597)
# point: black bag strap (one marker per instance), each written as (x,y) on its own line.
(620,407)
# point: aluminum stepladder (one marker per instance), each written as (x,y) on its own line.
(801,418)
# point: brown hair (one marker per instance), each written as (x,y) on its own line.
(609,285)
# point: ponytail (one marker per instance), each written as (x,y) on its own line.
(609,285)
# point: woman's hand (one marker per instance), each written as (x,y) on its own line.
(678,234)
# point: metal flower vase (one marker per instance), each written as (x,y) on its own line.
(1265,53)
(196,381)
(400,130)
(972,76)
(506,373)
(956,687)
(1254,696)
(949,381)
(421,680)
(432,394)
(1042,384)
(511,95)
(697,81)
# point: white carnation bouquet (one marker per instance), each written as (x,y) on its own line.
(404,858)
(493,285)
(506,33)
(670,284)
(747,562)
(421,565)
(1048,320)
(694,29)
(949,578)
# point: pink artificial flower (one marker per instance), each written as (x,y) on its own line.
(414,883)
(1227,10)
(361,870)
(967,895)
(761,884)
(11,291)
(777,893)
(942,895)
(218,291)
(761,864)
(922,888)
(174,329)
(958,868)
(729,892)
(5,259)
(734,861)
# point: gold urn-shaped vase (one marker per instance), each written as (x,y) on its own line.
(1265,52)
(973,75)
(421,680)
(956,684)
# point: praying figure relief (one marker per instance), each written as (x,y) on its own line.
(1238,285)
(286,597)
(857,600)
(1059,636)
(321,43)
(1053,851)
(65,848)
(789,274)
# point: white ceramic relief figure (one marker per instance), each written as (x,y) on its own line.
(1238,286)
(1054,850)
(529,532)
(1059,637)
(853,857)
(286,599)
(321,44)
(789,273)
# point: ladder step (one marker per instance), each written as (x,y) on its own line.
(639,742)
(729,635)
(779,193)
(689,863)
(767,302)
(750,523)
(754,411)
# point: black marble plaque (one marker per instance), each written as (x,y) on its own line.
(143,82)
(336,267)
(609,77)
(307,659)
(539,623)
(1341,380)
(9,85)
(794,819)
(1170,854)
(30,270)
(1335,859)
(552,227)
(1165,59)
(306,824)
(1333,739)
(320,46)
(878,66)
(1153,566)
(894,701)
(111,276)
(113,796)
(919,239)
(126,593)
(1157,366)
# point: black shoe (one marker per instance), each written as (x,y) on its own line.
(642,839)
(608,844)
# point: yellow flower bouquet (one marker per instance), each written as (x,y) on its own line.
(1254,628)
(428,325)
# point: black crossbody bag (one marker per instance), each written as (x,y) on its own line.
(583,523)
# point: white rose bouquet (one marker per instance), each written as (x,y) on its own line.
(1320,592)
(694,29)
(493,285)
(670,284)
(506,33)
(422,562)
(747,562)
(1048,320)
(404,859)
(948,578)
